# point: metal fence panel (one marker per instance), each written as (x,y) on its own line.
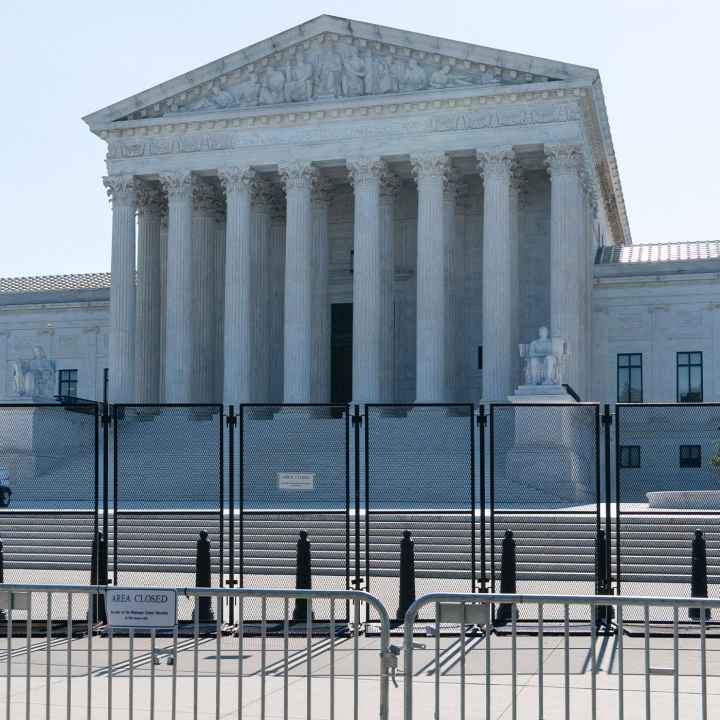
(49,461)
(168,486)
(545,489)
(667,487)
(419,466)
(294,475)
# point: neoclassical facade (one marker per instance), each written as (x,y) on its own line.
(450,196)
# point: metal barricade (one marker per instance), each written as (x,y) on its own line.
(243,668)
(554,650)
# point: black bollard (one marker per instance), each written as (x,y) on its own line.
(203,578)
(508,576)
(303,576)
(698,582)
(2,575)
(407,575)
(99,576)
(604,613)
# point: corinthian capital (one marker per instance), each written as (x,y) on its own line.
(322,191)
(496,163)
(121,190)
(390,185)
(297,175)
(364,170)
(563,159)
(262,193)
(150,198)
(204,196)
(177,185)
(236,179)
(436,165)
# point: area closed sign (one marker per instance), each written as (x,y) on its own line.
(141,608)
(296,480)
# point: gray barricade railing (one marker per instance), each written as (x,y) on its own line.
(269,653)
(473,613)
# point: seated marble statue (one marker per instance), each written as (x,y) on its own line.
(542,359)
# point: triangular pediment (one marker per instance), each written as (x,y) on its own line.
(331,58)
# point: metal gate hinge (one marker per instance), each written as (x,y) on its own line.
(482,419)
(231,420)
(356,419)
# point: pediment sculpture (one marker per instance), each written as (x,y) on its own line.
(335,67)
(544,359)
(34,378)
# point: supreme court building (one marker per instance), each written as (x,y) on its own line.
(349,212)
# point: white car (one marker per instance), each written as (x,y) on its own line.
(5,487)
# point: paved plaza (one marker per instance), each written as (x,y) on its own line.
(135,671)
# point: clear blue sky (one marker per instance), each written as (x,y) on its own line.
(61,60)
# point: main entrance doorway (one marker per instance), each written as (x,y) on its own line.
(341,353)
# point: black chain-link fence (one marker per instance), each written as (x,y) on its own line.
(667,460)
(294,476)
(167,488)
(544,478)
(420,476)
(49,493)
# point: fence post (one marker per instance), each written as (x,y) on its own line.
(231,582)
(357,582)
(602,577)
(99,575)
(508,575)
(303,575)
(698,583)
(203,577)
(407,575)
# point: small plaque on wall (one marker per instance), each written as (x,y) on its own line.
(296,481)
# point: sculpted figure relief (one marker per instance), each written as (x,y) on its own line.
(299,80)
(354,71)
(273,89)
(34,378)
(543,359)
(414,77)
(332,69)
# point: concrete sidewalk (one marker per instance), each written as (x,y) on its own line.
(272,686)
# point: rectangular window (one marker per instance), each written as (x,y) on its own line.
(629,456)
(690,377)
(629,378)
(67,383)
(479,357)
(690,456)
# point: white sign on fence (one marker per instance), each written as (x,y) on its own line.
(296,481)
(141,608)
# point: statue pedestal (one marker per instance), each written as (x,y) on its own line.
(551,460)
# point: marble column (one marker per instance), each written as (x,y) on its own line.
(452,287)
(149,299)
(518,183)
(567,230)
(321,198)
(261,223)
(204,288)
(219,298)
(276,307)
(178,322)
(297,365)
(368,365)
(430,171)
(389,188)
(163,295)
(496,166)
(121,190)
(238,323)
